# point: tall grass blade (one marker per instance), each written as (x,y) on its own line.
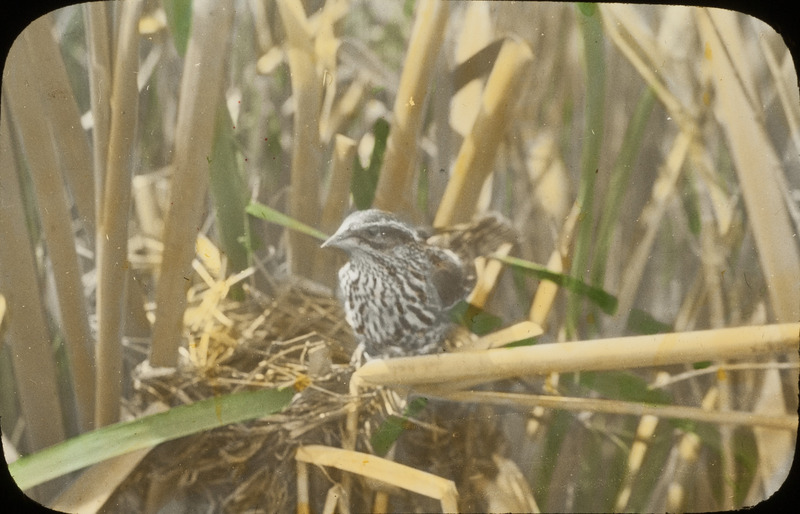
(111,441)
(269,214)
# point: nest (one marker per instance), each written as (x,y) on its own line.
(300,338)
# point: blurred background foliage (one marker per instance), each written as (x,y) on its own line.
(649,152)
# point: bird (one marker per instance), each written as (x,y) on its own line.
(397,288)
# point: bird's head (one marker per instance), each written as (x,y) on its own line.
(371,231)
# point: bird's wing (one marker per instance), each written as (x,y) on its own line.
(452,279)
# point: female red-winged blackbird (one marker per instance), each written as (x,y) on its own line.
(397,288)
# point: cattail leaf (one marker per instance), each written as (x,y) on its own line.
(260,210)
(623,385)
(607,302)
(228,187)
(477,320)
(120,438)
(383,438)
(641,322)
(365,180)
(179,20)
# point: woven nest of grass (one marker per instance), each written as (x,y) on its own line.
(298,338)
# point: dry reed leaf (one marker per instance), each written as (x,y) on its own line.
(476,32)
(269,61)
(383,470)
(210,257)
(516,332)
(153,22)
(209,328)
(509,490)
(548,177)
(475,160)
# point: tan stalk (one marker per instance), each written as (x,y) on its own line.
(476,157)
(261,23)
(644,433)
(502,337)
(394,190)
(687,453)
(786,90)
(344,110)
(545,296)
(24,324)
(712,258)
(546,293)
(303,503)
(757,166)
(326,46)
(200,94)
(594,355)
(338,198)
(64,116)
(112,227)
(702,414)
(26,101)
(307,89)
(337,201)
(334,498)
(95,16)
(488,275)
(791,109)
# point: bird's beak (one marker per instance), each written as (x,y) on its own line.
(335,241)
(329,243)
